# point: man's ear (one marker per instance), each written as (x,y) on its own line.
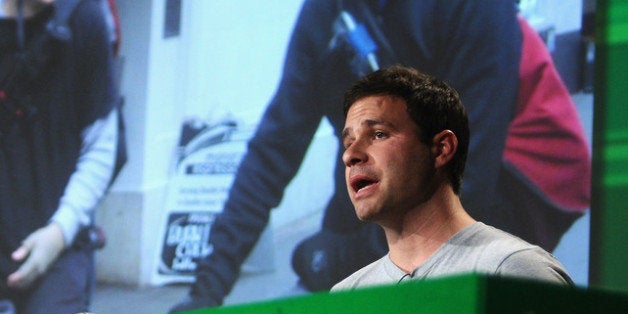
(444,146)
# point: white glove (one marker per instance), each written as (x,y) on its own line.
(38,251)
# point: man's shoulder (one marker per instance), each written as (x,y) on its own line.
(498,252)
(534,263)
(492,246)
(482,236)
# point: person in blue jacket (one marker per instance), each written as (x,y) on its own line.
(475,46)
(58,137)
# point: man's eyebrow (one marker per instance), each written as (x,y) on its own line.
(345,133)
(371,122)
(368,123)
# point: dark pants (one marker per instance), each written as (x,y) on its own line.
(65,288)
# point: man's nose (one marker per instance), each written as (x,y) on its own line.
(354,154)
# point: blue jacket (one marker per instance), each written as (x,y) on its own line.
(475,46)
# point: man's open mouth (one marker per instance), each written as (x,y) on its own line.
(360,182)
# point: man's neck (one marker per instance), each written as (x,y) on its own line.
(425,229)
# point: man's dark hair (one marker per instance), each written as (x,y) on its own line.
(432,104)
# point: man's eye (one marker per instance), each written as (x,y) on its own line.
(380,134)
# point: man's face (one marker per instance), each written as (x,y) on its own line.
(388,169)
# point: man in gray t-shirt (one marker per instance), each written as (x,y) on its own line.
(406,138)
(477,248)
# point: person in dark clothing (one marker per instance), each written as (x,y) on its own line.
(57,152)
(405,146)
(475,46)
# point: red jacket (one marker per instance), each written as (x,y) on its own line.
(545,139)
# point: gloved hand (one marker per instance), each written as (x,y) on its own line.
(193,303)
(38,251)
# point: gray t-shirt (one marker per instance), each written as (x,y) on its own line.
(477,248)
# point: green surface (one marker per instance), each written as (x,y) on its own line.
(451,295)
(462,294)
(609,212)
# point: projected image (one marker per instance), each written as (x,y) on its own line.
(257,206)
(528,169)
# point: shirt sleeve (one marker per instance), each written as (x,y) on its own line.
(93,173)
(534,264)
(274,156)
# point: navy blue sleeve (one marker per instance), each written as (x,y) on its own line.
(273,157)
(475,46)
(481,50)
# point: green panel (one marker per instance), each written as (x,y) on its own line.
(460,295)
(455,295)
(609,209)
(615,19)
(523,296)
